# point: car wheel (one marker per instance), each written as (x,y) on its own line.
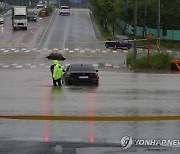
(96,84)
(106,45)
(116,47)
(67,82)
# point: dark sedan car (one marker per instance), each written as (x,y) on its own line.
(118,42)
(80,74)
(32,16)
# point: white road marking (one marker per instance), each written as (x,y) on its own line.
(104,51)
(82,51)
(98,49)
(16,50)
(27,64)
(66,49)
(76,49)
(2,49)
(71,51)
(87,49)
(27,51)
(19,66)
(6,51)
(41,64)
(34,49)
(5,66)
(116,66)
(114,51)
(23,49)
(108,65)
(96,65)
(33,66)
(55,49)
(13,49)
(14,64)
(67,64)
(46,66)
(93,51)
(125,51)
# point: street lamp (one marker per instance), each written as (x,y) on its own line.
(135,28)
(158,25)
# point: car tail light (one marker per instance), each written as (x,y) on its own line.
(93,75)
(72,75)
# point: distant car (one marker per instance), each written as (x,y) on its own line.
(81,74)
(32,16)
(64,10)
(118,42)
(1,20)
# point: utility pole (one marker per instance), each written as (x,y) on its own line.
(145,18)
(135,28)
(59,3)
(158,24)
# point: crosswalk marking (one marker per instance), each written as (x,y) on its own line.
(34,66)
(108,65)
(27,64)
(27,51)
(5,66)
(42,65)
(93,51)
(114,51)
(20,50)
(19,66)
(82,51)
(14,64)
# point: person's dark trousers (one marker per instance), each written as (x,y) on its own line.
(57,81)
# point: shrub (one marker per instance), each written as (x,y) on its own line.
(160,61)
(48,10)
(157,61)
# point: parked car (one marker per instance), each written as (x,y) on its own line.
(81,74)
(1,20)
(64,10)
(118,42)
(32,16)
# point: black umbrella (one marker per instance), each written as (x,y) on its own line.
(56,56)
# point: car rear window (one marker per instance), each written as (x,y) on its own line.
(31,13)
(64,7)
(82,68)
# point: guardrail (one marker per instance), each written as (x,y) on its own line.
(171,34)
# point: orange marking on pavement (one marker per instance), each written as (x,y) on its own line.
(87,118)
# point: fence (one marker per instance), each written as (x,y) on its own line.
(171,34)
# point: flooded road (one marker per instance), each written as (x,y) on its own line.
(29,92)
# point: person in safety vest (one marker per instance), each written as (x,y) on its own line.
(57,72)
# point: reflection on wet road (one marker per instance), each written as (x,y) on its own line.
(119,94)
